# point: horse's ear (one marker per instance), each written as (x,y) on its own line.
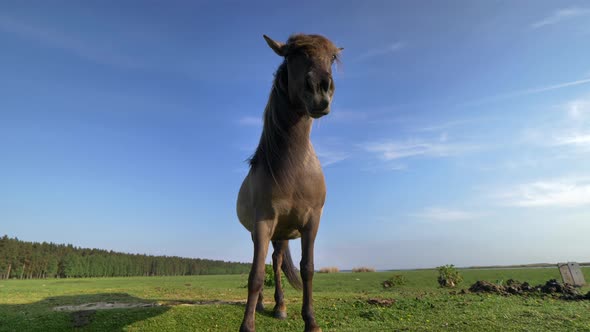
(276,46)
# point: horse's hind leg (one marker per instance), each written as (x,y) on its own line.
(261,239)
(280,310)
(260,302)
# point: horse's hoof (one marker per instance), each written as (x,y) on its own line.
(259,307)
(278,314)
(247,327)
(313,329)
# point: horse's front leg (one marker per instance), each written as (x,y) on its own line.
(307,268)
(261,239)
(280,310)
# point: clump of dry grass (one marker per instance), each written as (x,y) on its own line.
(363,269)
(330,269)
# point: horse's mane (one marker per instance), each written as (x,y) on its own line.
(273,153)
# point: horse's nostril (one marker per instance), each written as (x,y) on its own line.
(325,84)
(323,104)
(308,85)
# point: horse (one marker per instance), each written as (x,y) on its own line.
(283,195)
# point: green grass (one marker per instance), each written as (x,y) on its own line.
(340,304)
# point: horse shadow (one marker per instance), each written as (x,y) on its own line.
(84,312)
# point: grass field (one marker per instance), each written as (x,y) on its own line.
(340,304)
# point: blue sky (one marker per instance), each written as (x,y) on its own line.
(459,133)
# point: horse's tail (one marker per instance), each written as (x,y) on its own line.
(290,270)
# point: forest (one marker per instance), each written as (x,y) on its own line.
(34,260)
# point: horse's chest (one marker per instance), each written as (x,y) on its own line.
(290,220)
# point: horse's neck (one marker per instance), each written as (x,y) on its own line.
(285,145)
(295,132)
(298,142)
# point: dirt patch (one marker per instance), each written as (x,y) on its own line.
(514,287)
(123,305)
(381,302)
(206,302)
(82,314)
(104,306)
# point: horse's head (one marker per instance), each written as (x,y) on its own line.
(308,62)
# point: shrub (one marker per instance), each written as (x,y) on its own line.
(448,276)
(269,276)
(395,280)
(363,269)
(330,269)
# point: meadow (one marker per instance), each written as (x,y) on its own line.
(216,303)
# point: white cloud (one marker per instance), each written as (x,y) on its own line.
(561,15)
(559,192)
(575,139)
(569,131)
(391,150)
(445,214)
(578,109)
(388,49)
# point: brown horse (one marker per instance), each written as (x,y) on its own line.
(282,196)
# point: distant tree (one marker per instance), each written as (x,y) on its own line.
(28,260)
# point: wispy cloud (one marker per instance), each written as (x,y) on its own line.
(250,121)
(332,150)
(578,108)
(391,166)
(444,125)
(553,87)
(347,116)
(445,214)
(79,47)
(561,15)
(575,139)
(385,50)
(569,130)
(392,150)
(525,92)
(559,192)
(557,138)
(328,157)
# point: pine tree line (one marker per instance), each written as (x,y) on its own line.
(34,260)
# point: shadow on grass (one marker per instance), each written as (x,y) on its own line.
(77,312)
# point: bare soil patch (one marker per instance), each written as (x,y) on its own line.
(104,306)
(82,314)
(125,305)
